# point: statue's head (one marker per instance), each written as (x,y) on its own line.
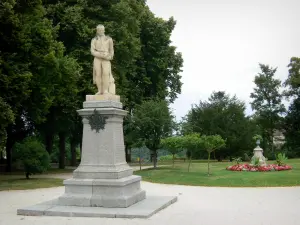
(100,29)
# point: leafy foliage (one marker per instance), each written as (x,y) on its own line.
(211,143)
(225,116)
(255,161)
(193,143)
(46,65)
(168,158)
(152,121)
(292,119)
(173,145)
(6,118)
(237,160)
(33,156)
(267,102)
(281,159)
(257,137)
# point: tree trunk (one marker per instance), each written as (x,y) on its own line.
(155,159)
(208,161)
(173,160)
(62,150)
(271,142)
(27,175)
(127,154)
(73,152)
(49,142)
(140,162)
(9,145)
(190,161)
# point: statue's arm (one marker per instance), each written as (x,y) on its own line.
(93,49)
(111,49)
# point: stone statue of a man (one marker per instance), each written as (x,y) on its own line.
(103,51)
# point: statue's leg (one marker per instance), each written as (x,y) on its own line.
(106,70)
(98,71)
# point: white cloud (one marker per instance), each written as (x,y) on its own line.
(222,43)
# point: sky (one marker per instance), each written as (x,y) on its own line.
(223,42)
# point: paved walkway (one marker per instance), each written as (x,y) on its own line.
(196,205)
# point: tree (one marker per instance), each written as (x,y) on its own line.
(160,64)
(62,117)
(31,59)
(33,156)
(192,142)
(292,119)
(6,118)
(223,115)
(173,145)
(267,102)
(145,65)
(152,121)
(210,144)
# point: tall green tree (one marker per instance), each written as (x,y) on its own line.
(31,63)
(152,121)
(145,65)
(267,103)
(160,65)
(222,115)
(15,74)
(292,119)
(62,116)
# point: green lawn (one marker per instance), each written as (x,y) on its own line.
(220,176)
(15,182)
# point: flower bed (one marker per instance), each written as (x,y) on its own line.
(248,167)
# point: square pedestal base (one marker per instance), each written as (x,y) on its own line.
(108,193)
(142,209)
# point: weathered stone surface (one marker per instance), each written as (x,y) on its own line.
(102,192)
(102,104)
(103,97)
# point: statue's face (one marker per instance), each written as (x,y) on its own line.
(100,30)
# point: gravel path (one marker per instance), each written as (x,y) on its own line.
(196,205)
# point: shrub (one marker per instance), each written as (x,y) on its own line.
(247,158)
(255,161)
(281,159)
(167,157)
(32,155)
(238,160)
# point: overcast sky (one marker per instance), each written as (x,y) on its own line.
(222,42)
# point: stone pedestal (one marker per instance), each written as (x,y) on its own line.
(103,178)
(103,185)
(258,153)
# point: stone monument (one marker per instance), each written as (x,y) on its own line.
(258,153)
(103,185)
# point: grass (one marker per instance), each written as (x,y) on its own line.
(15,182)
(221,177)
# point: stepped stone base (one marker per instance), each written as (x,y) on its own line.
(142,209)
(107,193)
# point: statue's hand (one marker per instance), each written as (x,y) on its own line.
(102,55)
(106,56)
